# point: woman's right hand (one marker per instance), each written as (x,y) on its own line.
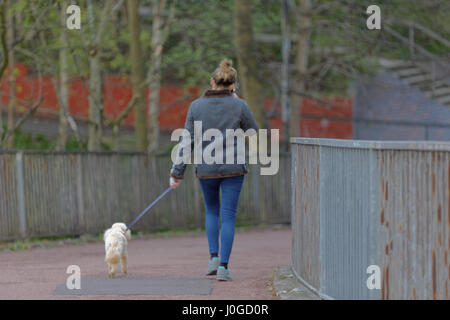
(174,183)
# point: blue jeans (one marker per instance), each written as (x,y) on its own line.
(224,208)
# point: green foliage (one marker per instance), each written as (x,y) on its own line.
(44,242)
(25,141)
(202,34)
(73,144)
(30,141)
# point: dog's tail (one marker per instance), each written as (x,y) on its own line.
(112,252)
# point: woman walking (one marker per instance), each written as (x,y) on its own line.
(219,108)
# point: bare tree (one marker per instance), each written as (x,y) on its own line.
(6,134)
(5,55)
(247,60)
(160,31)
(137,75)
(300,63)
(3,40)
(11,37)
(95,127)
(64,82)
(284,75)
(61,85)
(12,75)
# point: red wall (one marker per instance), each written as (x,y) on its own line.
(332,121)
(321,121)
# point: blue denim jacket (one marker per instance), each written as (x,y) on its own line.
(217,109)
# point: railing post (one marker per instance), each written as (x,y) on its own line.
(20,194)
(433,76)
(411,39)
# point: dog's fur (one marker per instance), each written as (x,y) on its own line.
(116,247)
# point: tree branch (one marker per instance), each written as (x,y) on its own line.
(3,38)
(7,133)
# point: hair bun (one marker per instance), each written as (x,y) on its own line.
(225,74)
(226,64)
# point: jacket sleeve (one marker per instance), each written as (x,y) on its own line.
(177,170)
(247,119)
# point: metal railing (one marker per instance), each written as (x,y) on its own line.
(437,66)
(49,193)
(357,204)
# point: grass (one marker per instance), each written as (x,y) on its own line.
(44,242)
(30,243)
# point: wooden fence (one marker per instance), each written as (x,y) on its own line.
(48,193)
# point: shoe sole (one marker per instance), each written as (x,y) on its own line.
(223,278)
(213,272)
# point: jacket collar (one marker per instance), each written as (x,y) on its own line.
(217,93)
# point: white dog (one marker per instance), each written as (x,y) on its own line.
(116,247)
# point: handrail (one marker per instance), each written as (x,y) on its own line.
(415,25)
(419,48)
(414,47)
(425,30)
(415,145)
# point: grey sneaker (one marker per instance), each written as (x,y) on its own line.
(223,274)
(213,264)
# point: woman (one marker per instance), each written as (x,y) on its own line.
(219,108)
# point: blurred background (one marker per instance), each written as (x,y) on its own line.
(125,80)
(86,117)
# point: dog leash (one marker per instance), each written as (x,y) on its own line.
(148,208)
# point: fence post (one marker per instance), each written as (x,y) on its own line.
(255,182)
(80,200)
(20,194)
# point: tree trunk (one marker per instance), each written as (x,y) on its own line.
(158,7)
(4,65)
(96,81)
(247,61)
(137,76)
(301,65)
(1,121)
(284,77)
(64,84)
(116,145)
(95,104)
(12,77)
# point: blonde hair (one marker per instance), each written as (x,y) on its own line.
(225,74)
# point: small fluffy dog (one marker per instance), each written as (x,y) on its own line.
(116,247)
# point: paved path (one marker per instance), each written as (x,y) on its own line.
(35,273)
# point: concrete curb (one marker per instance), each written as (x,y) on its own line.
(287,287)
